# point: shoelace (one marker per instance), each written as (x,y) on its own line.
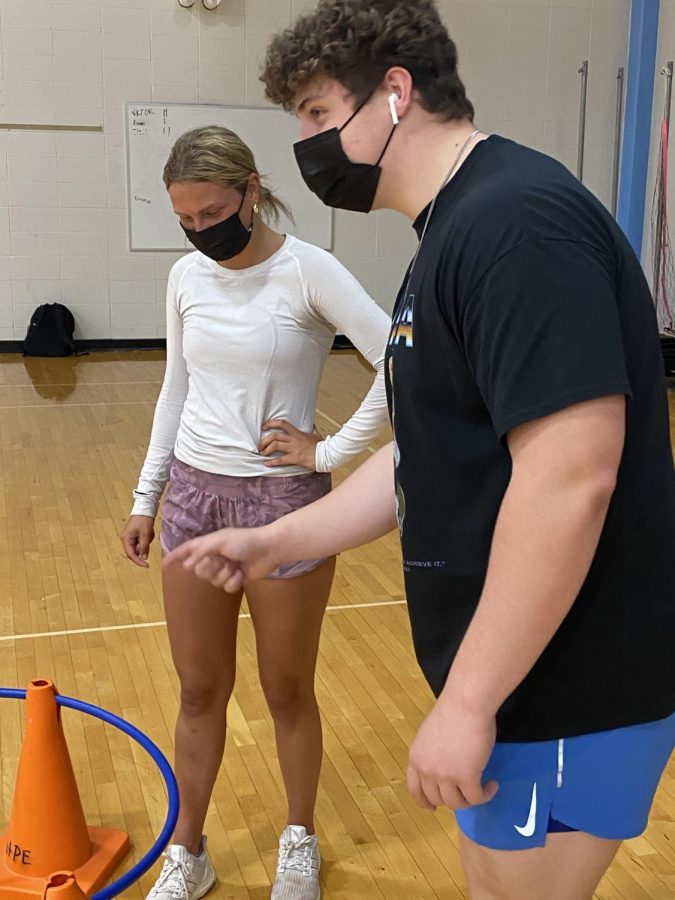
(296,855)
(176,872)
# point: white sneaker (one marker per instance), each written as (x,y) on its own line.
(183,876)
(186,3)
(298,867)
(210,4)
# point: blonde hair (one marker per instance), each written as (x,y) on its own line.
(219,155)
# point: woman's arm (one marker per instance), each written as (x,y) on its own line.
(339,298)
(335,297)
(155,471)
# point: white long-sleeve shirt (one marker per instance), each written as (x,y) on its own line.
(248,345)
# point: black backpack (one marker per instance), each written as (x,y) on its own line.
(50,332)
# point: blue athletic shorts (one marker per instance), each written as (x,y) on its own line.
(602,784)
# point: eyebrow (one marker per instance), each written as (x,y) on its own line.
(211,206)
(309,99)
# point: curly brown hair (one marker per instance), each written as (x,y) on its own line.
(357,41)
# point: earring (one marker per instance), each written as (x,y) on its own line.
(255,208)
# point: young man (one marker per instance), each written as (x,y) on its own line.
(534,481)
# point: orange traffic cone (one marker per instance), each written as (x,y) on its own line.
(63,886)
(47,832)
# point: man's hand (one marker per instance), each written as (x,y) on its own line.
(228,557)
(448,758)
(298,448)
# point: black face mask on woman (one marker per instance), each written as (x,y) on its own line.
(332,176)
(223,240)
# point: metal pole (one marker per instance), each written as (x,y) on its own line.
(667,70)
(617,138)
(583,71)
(641,69)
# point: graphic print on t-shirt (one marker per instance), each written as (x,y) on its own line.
(401,335)
(402,326)
(400,496)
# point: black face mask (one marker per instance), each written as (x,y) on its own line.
(332,176)
(223,240)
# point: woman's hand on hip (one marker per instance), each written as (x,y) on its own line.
(296,448)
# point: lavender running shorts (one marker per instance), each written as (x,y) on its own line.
(199,502)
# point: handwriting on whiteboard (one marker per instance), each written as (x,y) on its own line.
(140,120)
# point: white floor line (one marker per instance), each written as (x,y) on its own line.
(79,384)
(75,405)
(328,419)
(161,624)
(338,426)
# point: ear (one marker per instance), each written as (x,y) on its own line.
(399,81)
(254,189)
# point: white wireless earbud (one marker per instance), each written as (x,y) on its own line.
(393,100)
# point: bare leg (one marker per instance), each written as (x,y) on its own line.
(202,623)
(287,616)
(569,867)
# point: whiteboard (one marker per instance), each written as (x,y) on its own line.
(153,128)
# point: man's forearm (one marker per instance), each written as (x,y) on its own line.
(359,510)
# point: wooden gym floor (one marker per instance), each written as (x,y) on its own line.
(73,433)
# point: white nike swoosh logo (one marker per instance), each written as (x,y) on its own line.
(527,829)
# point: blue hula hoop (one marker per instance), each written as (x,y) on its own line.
(142,866)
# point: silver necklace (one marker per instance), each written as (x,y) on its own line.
(433,206)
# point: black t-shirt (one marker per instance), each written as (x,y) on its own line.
(527,298)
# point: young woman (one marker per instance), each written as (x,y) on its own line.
(251,318)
